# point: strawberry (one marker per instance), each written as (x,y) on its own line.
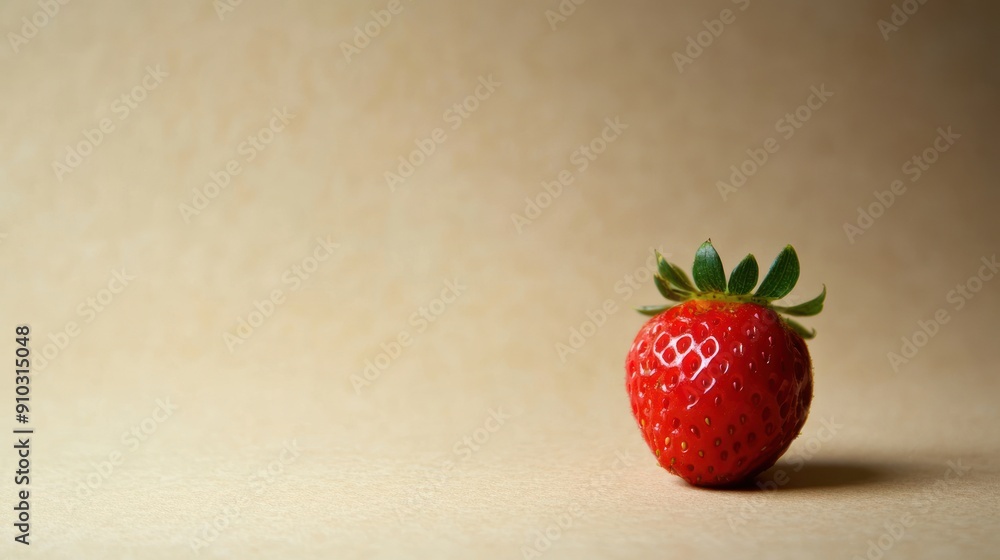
(721,383)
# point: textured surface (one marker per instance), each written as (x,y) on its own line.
(320,359)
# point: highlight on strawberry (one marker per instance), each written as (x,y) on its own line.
(720,380)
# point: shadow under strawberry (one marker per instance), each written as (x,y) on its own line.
(787,476)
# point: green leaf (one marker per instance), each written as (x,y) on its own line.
(782,276)
(652,310)
(802,331)
(673,274)
(683,277)
(743,278)
(708,272)
(807,309)
(668,292)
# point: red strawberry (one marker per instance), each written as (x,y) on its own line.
(721,383)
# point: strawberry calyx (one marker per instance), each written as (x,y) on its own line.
(710,284)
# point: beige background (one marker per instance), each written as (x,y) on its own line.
(369,477)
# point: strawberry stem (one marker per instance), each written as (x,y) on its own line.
(710,278)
